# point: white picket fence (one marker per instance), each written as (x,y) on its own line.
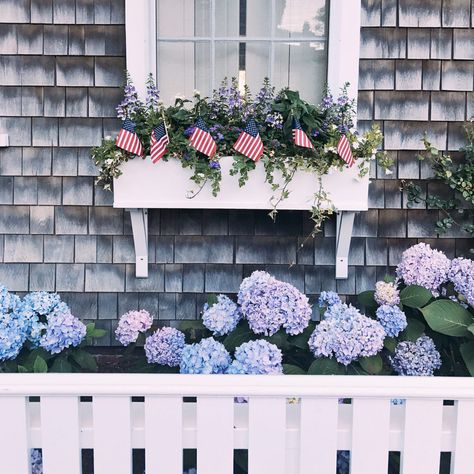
(291,424)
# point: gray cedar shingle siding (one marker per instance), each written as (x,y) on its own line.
(61,67)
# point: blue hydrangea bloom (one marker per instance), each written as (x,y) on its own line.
(421,265)
(257,357)
(392,319)
(131,324)
(205,357)
(328,298)
(41,302)
(222,317)
(8,301)
(12,336)
(36,461)
(346,334)
(62,331)
(269,304)
(165,347)
(416,358)
(461,274)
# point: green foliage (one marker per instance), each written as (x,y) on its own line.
(467,353)
(289,369)
(448,317)
(413,331)
(372,365)
(415,296)
(326,367)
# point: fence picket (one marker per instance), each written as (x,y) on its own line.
(164,434)
(60,440)
(461,459)
(267,435)
(215,435)
(422,436)
(14,451)
(370,436)
(318,435)
(112,435)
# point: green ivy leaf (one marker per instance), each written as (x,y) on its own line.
(467,352)
(448,317)
(85,360)
(415,296)
(290,369)
(326,366)
(40,366)
(373,365)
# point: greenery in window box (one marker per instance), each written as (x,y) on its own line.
(458,177)
(225,114)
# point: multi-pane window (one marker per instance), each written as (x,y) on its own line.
(199,42)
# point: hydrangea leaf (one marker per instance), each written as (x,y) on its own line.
(280,339)
(413,330)
(467,352)
(326,367)
(40,365)
(373,365)
(415,296)
(366,299)
(241,334)
(61,365)
(290,369)
(390,343)
(22,369)
(301,340)
(448,317)
(84,360)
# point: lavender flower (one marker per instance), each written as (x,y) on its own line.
(386,293)
(257,357)
(130,103)
(461,274)
(189,131)
(269,304)
(214,165)
(328,299)
(347,335)
(205,357)
(392,319)
(131,324)
(165,347)
(421,265)
(222,317)
(152,94)
(63,330)
(327,102)
(416,358)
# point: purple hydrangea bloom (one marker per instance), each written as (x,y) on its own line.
(461,274)
(328,299)
(421,265)
(205,357)
(222,317)
(416,358)
(386,293)
(346,334)
(165,347)
(131,324)
(392,319)
(257,357)
(62,331)
(269,304)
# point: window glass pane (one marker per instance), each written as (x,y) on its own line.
(300,18)
(258,18)
(183,67)
(302,67)
(228,18)
(188,18)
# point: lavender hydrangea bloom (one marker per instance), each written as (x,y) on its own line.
(461,274)
(257,357)
(205,357)
(328,299)
(269,304)
(63,330)
(421,265)
(131,324)
(346,334)
(416,358)
(392,319)
(222,317)
(36,459)
(386,293)
(165,347)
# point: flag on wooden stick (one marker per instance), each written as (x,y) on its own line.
(299,137)
(128,139)
(158,142)
(201,139)
(344,150)
(249,142)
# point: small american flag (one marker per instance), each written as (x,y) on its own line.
(128,140)
(158,142)
(299,137)
(201,139)
(344,150)
(249,142)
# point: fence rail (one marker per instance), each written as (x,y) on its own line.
(288,424)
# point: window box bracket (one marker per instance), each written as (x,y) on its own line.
(139,218)
(344,225)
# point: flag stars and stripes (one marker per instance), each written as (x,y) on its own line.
(249,142)
(344,150)
(158,142)
(128,139)
(201,138)
(299,137)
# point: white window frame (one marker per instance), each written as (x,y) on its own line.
(343,43)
